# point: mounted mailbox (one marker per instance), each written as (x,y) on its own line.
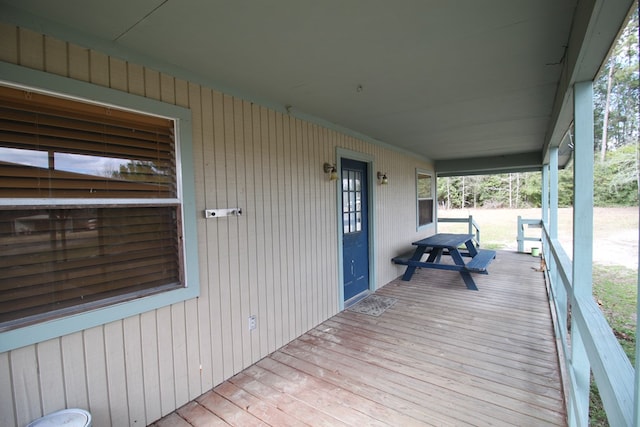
(217,213)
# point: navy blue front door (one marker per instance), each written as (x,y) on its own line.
(355,241)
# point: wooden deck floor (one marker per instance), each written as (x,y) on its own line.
(442,355)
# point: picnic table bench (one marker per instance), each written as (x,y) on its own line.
(447,244)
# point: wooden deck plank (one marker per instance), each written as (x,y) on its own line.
(366,390)
(461,391)
(321,400)
(257,407)
(461,363)
(227,411)
(442,406)
(380,414)
(283,401)
(443,352)
(466,343)
(172,420)
(417,367)
(197,415)
(441,355)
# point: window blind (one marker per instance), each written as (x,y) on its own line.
(52,147)
(425,199)
(57,258)
(63,257)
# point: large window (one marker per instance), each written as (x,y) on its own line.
(90,207)
(425,198)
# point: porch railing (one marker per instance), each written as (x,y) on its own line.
(581,328)
(522,237)
(472,226)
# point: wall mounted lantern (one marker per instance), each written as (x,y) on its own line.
(331,170)
(382,178)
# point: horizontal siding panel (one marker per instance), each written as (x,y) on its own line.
(97,384)
(26,384)
(150,365)
(55,56)
(7,396)
(74,368)
(132,343)
(9,45)
(31,49)
(51,375)
(116,373)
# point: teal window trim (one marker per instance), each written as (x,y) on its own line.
(433,199)
(50,83)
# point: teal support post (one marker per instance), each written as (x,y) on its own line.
(520,237)
(546,250)
(545,193)
(559,292)
(582,245)
(558,289)
(636,385)
(583,189)
(553,193)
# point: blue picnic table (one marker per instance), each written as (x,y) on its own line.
(458,246)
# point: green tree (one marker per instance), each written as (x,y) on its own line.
(141,171)
(617,178)
(616,108)
(531,192)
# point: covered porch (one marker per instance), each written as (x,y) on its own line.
(264,99)
(440,355)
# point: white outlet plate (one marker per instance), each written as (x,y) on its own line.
(253,322)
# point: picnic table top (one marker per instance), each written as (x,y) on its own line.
(444,240)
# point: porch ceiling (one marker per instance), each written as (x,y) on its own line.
(441,79)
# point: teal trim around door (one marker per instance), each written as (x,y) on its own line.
(355,227)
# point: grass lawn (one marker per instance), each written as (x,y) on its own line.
(615,290)
(615,256)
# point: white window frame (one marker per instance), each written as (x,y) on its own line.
(433,199)
(51,84)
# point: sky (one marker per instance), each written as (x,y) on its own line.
(77,163)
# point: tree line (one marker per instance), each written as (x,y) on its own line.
(616,147)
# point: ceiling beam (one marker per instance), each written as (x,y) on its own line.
(523,162)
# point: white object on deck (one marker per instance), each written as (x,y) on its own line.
(66,417)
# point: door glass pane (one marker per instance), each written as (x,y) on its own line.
(351,201)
